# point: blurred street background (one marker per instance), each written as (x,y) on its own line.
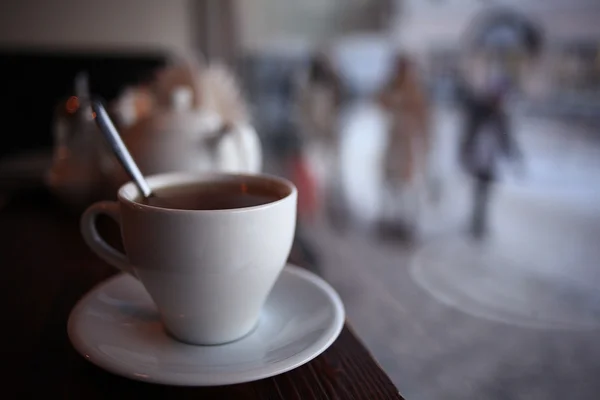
(512,316)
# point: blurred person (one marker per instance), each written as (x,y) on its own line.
(499,44)
(486,136)
(318,103)
(405,157)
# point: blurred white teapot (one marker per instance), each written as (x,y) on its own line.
(198,123)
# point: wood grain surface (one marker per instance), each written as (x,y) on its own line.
(46,268)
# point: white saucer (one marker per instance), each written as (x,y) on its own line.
(117,327)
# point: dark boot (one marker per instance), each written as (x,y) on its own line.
(481,198)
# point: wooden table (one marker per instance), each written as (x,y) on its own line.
(46,268)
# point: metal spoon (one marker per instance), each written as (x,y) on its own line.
(114,140)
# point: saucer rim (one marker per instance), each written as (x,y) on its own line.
(322,343)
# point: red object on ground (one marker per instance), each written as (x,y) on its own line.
(302,177)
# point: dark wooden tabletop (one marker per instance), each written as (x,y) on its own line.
(46,268)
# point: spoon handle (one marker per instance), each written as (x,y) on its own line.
(115,141)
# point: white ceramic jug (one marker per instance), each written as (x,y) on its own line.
(183,138)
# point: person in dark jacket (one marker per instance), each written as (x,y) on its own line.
(486,139)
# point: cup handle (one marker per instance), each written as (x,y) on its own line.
(93,239)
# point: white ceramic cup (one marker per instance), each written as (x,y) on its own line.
(208,271)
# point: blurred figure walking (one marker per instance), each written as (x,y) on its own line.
(500,45)
(487,137)
(405,157)
(319,100)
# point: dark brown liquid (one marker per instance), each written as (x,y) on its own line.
(211,196)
